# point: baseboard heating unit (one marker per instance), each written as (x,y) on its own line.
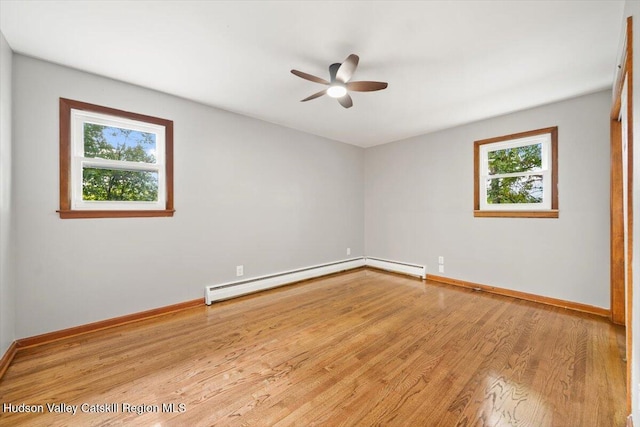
(229,290)
(236,289)
(398,267)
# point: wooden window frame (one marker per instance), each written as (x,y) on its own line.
(66,210)
(518,213)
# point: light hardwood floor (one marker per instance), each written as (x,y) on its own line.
(356,349)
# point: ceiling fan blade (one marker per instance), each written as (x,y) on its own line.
(347,68)
(346,101)
(366,86)
(310,77)
(333,70)
(314,96)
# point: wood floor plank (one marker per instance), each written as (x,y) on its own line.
(356,349)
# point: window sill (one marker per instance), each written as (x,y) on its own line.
(71,214)
(553,213)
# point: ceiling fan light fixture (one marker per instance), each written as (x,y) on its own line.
(337,91)
(340,83)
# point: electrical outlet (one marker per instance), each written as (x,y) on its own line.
(440,260)
(239,270)
(441,268)
(348,251)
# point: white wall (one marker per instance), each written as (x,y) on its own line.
(7,312)
(272,199)
(246,192)
(419,205)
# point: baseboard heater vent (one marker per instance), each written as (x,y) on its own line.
(235,289)
(398,267)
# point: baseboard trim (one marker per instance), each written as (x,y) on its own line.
(576,306)
(8,358)
(105,324)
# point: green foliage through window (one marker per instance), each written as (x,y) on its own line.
(119,185)
(522,188)
(518,159)
(113,143)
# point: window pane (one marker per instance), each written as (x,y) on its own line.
(119,185)
(518,159)
(114,143)
(519,189)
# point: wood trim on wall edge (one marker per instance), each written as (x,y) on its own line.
(71,214)
(105,324)
(555,302)
(34,341)
(8,358)
(552,213)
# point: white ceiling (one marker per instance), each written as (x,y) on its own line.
(446,62)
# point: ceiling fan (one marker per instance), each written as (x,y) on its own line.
(340,84)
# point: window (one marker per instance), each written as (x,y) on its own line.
(517,175)
(114,163)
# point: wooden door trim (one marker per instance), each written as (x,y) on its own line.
(621,298)
(618,308)
(618,261)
